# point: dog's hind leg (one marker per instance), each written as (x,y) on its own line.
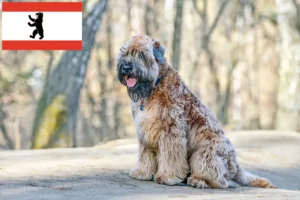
(207,169)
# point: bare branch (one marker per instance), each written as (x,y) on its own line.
(201,13)
(219,14)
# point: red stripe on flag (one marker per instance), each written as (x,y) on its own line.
(41,6)
(41,45)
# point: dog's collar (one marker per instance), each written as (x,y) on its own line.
(156,83)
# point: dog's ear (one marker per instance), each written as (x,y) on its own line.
(159,52)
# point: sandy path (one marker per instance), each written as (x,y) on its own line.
(101,172)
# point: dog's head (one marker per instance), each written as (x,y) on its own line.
(136,66)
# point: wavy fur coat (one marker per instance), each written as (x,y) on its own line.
(179,137)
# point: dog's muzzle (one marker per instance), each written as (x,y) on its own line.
(126,75)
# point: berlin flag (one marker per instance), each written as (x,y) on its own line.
(41,25)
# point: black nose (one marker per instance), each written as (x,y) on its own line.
(127,68)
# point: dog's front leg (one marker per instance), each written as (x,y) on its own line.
(172,159)
(146,166)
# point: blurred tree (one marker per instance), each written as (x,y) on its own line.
(251,82)
(12,79)
(148,17)
(176,45)
(128,15)
(56,113)
(106,75)
(265,65)
(115,108)
(289,89)
(152,15)
(3,128)
(104,110)
(232,59)
(222,100)
(232,51)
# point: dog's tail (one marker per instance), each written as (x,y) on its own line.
(247,179)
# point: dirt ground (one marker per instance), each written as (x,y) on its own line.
(101,172)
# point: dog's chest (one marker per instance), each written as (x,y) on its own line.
(147,124)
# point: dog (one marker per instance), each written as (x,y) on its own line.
(179,138)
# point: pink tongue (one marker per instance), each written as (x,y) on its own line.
(131,82)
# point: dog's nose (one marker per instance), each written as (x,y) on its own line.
(127,68)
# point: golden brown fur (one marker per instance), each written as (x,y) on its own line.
(177,134)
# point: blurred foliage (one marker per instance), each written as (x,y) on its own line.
(234,54)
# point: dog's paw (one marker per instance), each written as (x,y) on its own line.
(140,174)
(197,183)
(167,180)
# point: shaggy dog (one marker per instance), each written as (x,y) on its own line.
(178,136)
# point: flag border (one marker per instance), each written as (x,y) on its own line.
(42,45)
(41,6)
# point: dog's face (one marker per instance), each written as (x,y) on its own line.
(136,67)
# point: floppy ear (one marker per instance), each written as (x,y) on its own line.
(159,52)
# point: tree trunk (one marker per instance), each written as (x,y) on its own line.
(3,129)
(151,17)
(56,113)
(177,35)
(114,109)
(148,18)
(129,21)
(289,87)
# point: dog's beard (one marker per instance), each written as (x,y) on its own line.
(141,90)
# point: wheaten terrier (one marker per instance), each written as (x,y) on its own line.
(178,136)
